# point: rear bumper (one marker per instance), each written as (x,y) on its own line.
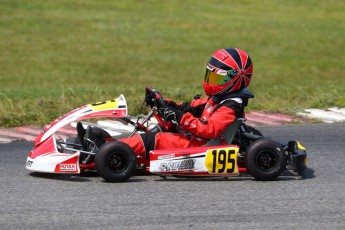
(298,156)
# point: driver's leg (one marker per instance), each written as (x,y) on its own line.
(142,144)
(136,143)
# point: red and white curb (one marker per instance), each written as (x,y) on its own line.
(330,115)
(261,118)
(29,133)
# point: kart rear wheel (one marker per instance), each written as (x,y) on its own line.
(265,159)
(115,162)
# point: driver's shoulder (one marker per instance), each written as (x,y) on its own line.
(199,101)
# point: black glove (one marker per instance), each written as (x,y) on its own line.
(153,98)
(170,114)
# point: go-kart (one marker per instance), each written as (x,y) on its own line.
(239,150)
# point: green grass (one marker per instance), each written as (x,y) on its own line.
(57,55)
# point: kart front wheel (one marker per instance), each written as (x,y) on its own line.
(265,159)
(115,162)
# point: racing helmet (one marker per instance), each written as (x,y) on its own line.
(227,71)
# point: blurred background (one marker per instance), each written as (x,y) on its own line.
(58,55)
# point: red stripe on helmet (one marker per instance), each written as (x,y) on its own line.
(225,58)
(238,84)
(250,69)
(243,56)
(247,80)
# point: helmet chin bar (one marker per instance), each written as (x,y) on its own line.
(211,90)
(226,89)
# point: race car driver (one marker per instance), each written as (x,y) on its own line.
(228,73)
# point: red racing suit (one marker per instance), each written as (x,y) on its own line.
(203,119)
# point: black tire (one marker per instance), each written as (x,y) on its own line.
(265,159)
(115,162)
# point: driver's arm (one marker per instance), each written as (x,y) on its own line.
(194,107)
(209,128)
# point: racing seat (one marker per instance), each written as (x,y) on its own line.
(91,139)
(227,136)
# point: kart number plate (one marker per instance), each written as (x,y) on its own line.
(222,160)
(104,105)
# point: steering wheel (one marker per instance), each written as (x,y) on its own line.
(155,96)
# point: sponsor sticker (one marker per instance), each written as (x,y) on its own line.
(162,157)
(29,163)
(177,166)
(67,167)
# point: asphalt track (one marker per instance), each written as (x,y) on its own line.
(41,201)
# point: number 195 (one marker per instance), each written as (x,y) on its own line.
(223,158)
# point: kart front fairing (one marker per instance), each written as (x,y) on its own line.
(48,155)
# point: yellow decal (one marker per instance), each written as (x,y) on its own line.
(300,146)
(222,160)
(103,105)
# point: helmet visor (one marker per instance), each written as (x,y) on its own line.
(219,78)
